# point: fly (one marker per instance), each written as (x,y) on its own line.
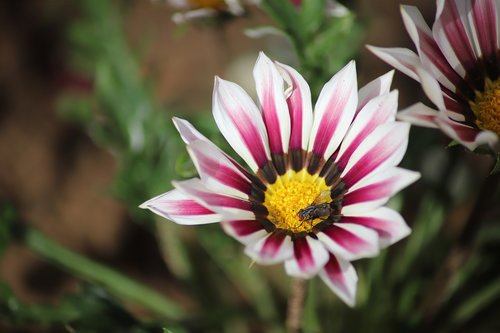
(317,209)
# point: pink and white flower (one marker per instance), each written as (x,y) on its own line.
(458,66)
(318,182)
(195,9)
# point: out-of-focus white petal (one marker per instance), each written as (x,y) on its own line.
(419,114)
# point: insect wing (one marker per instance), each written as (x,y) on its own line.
(323,197)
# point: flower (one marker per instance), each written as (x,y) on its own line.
(193,9)
(315,197)
(458,66)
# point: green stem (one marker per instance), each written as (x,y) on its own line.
(112,280)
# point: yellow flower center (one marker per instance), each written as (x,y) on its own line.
(291,193)
(486,106)
(215,4)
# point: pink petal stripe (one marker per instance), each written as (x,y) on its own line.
(310,256)
(334,112)
(350,241)
(485,24)
(213,165)
(180,208)
(245,227)
(376,112)
(388,224)
(428,50)
(303,254)
(453,26)
(419,114)
(222,204)
(468,136)
(246,231)
(241,123)
(270,90)
(275,247)
(383,147)
(340,276)
(189,134)
(299,107)
(379,187)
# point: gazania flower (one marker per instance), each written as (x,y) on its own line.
(458,66)
(314,199)
(193,9)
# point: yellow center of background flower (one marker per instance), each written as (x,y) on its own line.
(289,194)
(486,107)
(214,4)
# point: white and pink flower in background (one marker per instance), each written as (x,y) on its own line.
(458,66)
(318,181)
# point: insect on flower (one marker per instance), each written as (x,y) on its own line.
(319,179)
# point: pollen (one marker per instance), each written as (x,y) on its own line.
(486,106)
(289,194)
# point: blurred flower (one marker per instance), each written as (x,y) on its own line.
(332,8)
(315,198)
(458,67)
(193,9)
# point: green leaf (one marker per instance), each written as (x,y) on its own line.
(112,280)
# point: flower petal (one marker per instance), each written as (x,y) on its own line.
(246,231)
(180,208)
(484,26)
(350,241)
(240,122)
(419,114)
(270,90)
(217,172)
(376,112)
(451,32)
(301,115)
(309,257)
(187,131)
(340,276)
(274,248)
(375,190)
(384,147)
(402,59)
(388,224)
(228,207)
(379,86)
(428,50)
(468,136)
(334,112)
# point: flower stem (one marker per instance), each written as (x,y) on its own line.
(459,253)
(296,306)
